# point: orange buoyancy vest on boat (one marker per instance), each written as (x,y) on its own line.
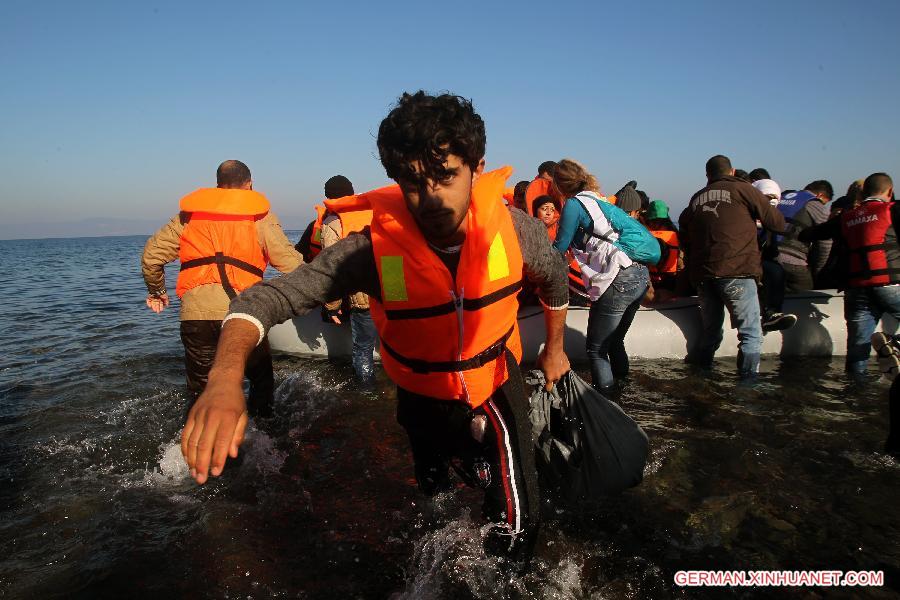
(219,243)
(442,337)
(874,249)
(355,213)
(315,239)
(538,187)
(668,264)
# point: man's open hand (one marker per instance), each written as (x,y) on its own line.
(215,428)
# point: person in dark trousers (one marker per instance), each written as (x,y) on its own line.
(771,293)
(224,236)
(441,263)
(718,234)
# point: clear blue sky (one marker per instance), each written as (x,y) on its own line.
(114,110)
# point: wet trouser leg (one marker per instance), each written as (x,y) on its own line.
(863,309)
(363,334)
(501,462)
(739,296)
(712,317)
(771,295)
(200,338)
(262,381)
(742,302)
(608,322)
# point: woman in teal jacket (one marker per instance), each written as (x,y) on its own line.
(612,249)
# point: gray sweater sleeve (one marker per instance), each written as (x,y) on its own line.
(349,266)
(544,267)
(339,270)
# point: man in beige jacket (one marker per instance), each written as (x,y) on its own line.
(231,236)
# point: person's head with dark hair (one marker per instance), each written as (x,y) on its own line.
(717,167)
(822,189)
(433,146)
(757,174)
(742,174)
(418,135)
(233,174)
(546,208)
(546,169)
(878,185)
(338,187)
(519,194)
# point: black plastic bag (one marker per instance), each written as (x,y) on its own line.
(586,446)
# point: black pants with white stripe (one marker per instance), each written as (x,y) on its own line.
(489,447)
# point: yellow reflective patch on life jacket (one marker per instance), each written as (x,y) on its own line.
(498,264)
(393,283)
(317,236)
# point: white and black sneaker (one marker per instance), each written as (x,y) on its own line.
(888,350)
(778,321)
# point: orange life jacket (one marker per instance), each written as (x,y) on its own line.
(538,187)
(668,264)
(552,230)
(442,337)
(355,213)
(315,239)
(219,243)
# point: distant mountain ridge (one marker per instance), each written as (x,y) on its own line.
(94,227)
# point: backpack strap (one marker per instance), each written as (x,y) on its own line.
(589,202)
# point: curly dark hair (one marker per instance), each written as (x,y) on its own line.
(426,129)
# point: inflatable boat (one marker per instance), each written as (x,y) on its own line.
(666,330)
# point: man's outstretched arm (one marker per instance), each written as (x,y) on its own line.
(217,421)
(215,426)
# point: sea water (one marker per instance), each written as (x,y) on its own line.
(96,502)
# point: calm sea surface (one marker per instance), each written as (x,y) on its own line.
(95,501)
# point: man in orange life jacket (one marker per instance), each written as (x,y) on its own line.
(224,237)
(870,232)
(442,263)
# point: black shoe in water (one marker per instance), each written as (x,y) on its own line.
(778,322)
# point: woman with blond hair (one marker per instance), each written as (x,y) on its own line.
(612,249)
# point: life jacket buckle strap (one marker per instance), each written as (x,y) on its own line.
(422,367)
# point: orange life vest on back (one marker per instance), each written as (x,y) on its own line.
(355,213)
(668,264)
(219,243)
(315,239)
(441,337)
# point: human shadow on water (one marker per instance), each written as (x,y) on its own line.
(809,336)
